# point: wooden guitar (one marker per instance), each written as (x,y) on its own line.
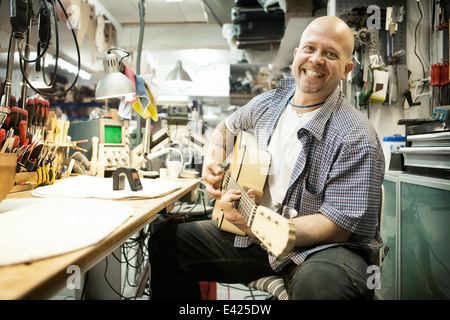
(248,169)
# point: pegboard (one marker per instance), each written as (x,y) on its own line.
(399,39)
(378,36)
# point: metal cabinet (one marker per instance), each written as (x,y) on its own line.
(416,237)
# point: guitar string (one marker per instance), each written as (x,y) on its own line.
(246,204)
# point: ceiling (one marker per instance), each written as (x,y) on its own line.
(188,30)
(158,11)
(173,31)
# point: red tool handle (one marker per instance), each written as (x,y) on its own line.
(25,116)
(46,110)
(20,114)
(16,142)
(433,75)
(31,111)
(7,119)
(445,74)
(37,112)
(2,136)
(12,101)
(15,116)
(42,112)
(439,74)
(22,131)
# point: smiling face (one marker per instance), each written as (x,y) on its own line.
(322,59)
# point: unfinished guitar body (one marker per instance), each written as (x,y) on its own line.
(248,169)
(249,166)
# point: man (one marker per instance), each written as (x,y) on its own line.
(327,164)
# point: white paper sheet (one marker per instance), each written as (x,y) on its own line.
(37,228)
(102,188)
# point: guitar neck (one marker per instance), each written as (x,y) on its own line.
(246,206)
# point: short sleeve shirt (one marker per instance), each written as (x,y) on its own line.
(338,172)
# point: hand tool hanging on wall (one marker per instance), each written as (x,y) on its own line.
(20,20)
(367,89)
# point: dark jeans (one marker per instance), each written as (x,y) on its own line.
(181,255)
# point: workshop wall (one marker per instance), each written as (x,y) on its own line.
(413,36)
(385,116)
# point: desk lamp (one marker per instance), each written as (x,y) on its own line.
(114,83)
(160,152)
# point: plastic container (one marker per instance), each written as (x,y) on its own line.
(392,144)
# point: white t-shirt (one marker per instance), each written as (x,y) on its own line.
(284,151)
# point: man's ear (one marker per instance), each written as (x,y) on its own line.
(348,67)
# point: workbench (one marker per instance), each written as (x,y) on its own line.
(43,278)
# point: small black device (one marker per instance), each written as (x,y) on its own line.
(132,176)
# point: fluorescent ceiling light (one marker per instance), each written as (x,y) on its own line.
(173,98)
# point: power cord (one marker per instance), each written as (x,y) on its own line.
(56,58)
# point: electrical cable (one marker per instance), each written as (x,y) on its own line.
(84,285)
(141,35)
(138,245)
(415,43)
(47,43)
(109,284)
(52,81)
(56,59)
(11,39)
(127,54)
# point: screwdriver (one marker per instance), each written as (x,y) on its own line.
(2,137)
(42,108)
(12,101)
(433,84)
(15,116)
(24,116)
(46,110)
(31,110)
(7,119)
(37,112)
(438,81)
(22,131)
(20,118)
(15,143)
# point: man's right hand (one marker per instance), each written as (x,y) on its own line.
(212,176)
(212,172)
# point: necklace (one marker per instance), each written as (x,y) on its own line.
(310,106)
(294,106)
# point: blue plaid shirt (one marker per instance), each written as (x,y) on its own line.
(338,173)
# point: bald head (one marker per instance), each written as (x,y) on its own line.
(322,59)
(333,27)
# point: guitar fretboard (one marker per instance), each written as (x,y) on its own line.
(246,206)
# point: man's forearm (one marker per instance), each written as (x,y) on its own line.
(221,143)
(317,229)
